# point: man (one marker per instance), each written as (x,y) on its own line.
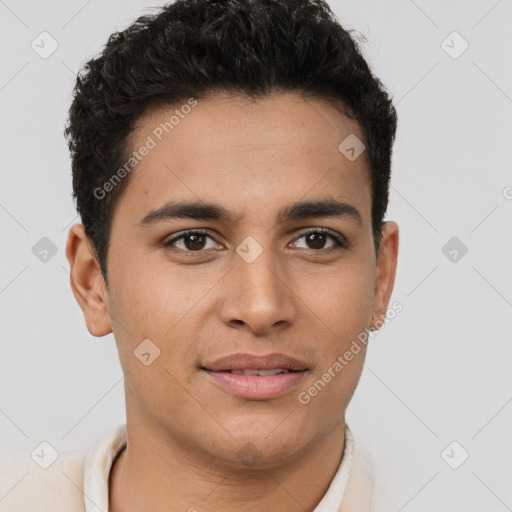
(231,162)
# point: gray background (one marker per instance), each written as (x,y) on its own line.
(438,373)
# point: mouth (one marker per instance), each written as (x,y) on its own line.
(256,377)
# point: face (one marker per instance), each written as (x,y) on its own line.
(245,271)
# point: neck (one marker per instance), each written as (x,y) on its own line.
(158,473)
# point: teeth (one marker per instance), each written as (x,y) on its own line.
(274,371)
(262,373)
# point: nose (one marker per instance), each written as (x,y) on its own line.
(257,297)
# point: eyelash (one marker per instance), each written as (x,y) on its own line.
(340,242)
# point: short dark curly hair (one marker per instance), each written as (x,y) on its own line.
(190,48)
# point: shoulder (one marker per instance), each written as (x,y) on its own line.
(65,484)
(26,486)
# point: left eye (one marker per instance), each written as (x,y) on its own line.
(316,239)
(195,241)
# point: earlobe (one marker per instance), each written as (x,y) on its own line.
(386,271)
(87,282)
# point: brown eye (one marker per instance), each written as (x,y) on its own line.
(192,241)
(317,238)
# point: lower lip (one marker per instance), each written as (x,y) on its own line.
(255,387)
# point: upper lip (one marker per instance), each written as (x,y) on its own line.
(242,361)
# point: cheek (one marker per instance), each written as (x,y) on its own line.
(154,305)
(344,308)
(151,301)
(345,303)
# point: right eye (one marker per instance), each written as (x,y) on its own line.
(192,240)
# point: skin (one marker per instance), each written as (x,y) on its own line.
(196,305)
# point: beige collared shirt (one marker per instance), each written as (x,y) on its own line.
(78,482)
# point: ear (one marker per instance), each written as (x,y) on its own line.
(386,270)
(87,282)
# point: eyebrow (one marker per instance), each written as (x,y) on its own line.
(210,211)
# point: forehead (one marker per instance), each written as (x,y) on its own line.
(252,155)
